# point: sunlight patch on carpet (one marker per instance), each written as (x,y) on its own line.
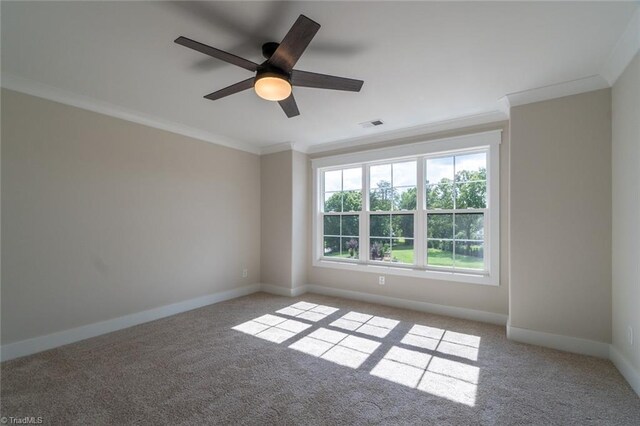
(340,348)
(453,380)
(428,359)
(272,328)
(365,324)
(308,311)
(447,342)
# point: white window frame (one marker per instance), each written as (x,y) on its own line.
(485,141)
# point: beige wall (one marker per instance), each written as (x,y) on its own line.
(102,217)
(285,219)
(94,215)
(471,296)
(276,237)
(560,210)
(626,210)
(301,218)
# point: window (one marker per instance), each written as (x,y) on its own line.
(456,195)
(342,192)
(391,212)
(428,209)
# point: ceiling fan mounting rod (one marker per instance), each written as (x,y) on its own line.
(269,48)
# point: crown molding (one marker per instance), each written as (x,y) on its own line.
(504,107)
(559,90)
(624,51)
(29,87)
(279,147)
(284,146)
(410,132)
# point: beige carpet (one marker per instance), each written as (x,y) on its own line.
(326,361)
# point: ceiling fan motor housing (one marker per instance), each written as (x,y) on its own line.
(266,70)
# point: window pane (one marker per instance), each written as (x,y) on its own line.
(439,253)
(333,181)
(471,195)
(350,248)
(332,246)
(440,196)
(380,249)
(471,167)
(350,225)
(439,226)
(352,201)
(469,226)
(402,250)
(380,225)
(439,170)
(405,174)
(380,200)
(332,225)
(405,199)
(333,202)
(402,225)
(469,255)
(380,176)
(352,179)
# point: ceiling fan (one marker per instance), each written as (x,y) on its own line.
(275,77)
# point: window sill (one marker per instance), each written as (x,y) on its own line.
(409,271)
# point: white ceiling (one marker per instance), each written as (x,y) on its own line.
(421,62)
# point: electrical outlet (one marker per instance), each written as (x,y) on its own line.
(381,280)
(245,273)
(630,335)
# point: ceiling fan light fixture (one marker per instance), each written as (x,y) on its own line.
(272,87)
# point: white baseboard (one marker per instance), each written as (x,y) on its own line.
(283,291)
(626,368)
(276,289)
(298,291)
(432,308)
(53,340)
(557,341)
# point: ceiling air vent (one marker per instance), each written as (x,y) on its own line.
(372,123)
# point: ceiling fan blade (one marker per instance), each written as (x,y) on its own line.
(217,53)
(323,81)
(289,106)
(294,43)
(230,90)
